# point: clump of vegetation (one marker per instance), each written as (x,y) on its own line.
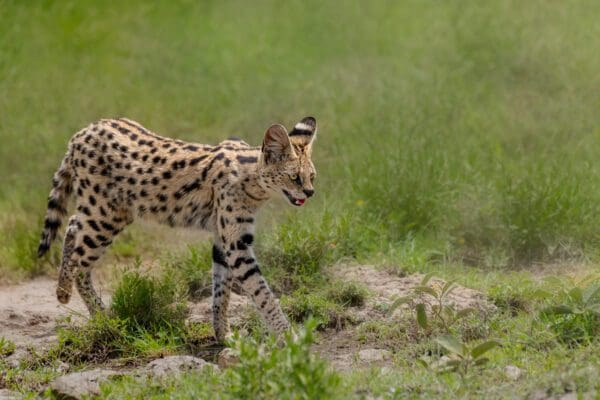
(6,347)
(574,310)
(147,302)
(101,338)
(347,294)
(327,303)
(290,372)
(198,335)
(442,313)
(264,371)
(513,299)
(302,305)
(462,358)
(146,317)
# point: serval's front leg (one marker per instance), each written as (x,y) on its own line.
(221,290)
(240,259)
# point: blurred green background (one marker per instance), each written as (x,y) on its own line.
(463,130)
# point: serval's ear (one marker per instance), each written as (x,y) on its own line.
(276,145)
(304,133)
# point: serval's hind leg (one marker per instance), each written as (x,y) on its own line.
(65,277)
(85,287)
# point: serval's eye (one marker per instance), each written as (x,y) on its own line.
(296,179)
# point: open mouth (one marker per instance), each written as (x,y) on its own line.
(292,199)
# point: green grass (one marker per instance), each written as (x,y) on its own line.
(264,371)
(459,138)
(147,302)
(473,125)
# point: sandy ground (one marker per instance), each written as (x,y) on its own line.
(30,313)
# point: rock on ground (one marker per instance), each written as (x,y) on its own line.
(513,372)
(374,355)
(227,358)
(80,384)
(175,365)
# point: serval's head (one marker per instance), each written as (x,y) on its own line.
(285,164)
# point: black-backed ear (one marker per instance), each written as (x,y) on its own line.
(304,132)
(276,145)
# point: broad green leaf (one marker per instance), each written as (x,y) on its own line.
(448,287)
(452,345)
(542,294)
(421,315)
(426,278)
(557,310)
(398,302)
(484,348)
(426,289)
(422,363)
(481,360)
(576,294)
(450,365)
(448,310)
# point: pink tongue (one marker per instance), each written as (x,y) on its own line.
(300,201)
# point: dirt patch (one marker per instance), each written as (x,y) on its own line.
(30,313)
(344,350)
(386,287)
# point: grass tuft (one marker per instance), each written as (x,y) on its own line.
(147,302)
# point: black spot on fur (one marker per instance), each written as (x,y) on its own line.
(89,242)
(252,271)
(107,226)
(247,159)
(196,160)
(218,256)
(247,238)
(93,225)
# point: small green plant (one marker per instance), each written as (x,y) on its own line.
(574,312)
(462,358)
(441,312)
(6,347)
(347,294)
(149,303)
(301,305)
(99,339)
(267,371)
